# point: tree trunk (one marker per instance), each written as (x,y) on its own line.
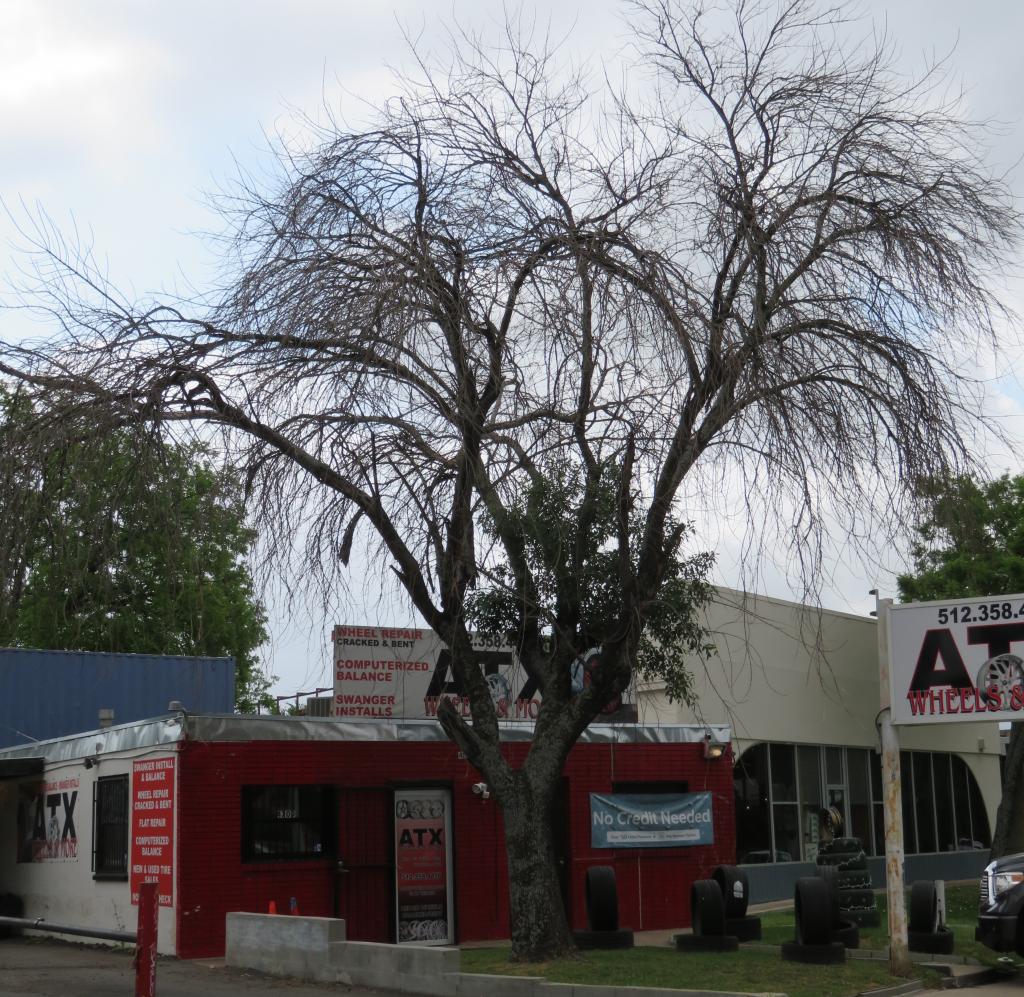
(1008,838)
(536,913)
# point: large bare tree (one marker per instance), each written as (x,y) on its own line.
(765,255)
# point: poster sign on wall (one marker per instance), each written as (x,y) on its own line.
(957,661)
(393,673)
(650,820)
(423,866)
(46,821)
(152,828)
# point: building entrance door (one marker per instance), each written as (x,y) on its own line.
(365,872)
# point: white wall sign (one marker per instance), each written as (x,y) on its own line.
(393,672)
(957,661)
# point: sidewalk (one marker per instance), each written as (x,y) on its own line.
(46,968)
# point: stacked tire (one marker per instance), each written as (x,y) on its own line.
(707,920)
(718,913)
(603,931)
(843,863)
(814,906)
(924,933)
(735,887)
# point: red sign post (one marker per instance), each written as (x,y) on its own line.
(145,940)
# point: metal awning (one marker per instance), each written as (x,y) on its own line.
(17,768)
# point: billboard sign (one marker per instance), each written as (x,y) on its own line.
(405,674)
(951,662)
(423,867)
(651,820)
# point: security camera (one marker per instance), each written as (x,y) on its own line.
(482,790)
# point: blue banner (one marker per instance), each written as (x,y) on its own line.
(651,820)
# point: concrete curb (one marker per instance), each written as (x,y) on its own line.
(480,985)
(897,990)
(979,978)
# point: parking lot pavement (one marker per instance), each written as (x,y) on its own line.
(45,968)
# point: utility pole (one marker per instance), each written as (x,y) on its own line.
(899,952)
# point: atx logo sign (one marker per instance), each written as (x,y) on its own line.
(941,683)
(46,820)
(413,837)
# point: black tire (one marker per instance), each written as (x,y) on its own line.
(830,874)
(848,844)
(707,908)
(854,879)
(863,918)
(813,910)
(934,942)
(602,899)
(735,889)
(856,899)
(706,943)
(621,939)
(745,929)
(851,861)
(848,933)
(924,907)
(829,954)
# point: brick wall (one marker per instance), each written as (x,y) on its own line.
(654,884)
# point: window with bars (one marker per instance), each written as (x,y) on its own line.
(287,822)
(110,827)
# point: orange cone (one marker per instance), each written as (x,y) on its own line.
(272,907)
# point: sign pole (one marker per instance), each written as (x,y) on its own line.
(899,953)
(146,940)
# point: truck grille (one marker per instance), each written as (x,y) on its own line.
(983,891)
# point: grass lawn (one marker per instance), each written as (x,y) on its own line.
(961,917)
(746,971)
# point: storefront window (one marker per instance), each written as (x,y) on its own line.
(834,766)
(753,827)
(860,795)
(787,832)
(944,803)
(809,763)
(979,818)
(924,802)
(907,797)
(780,800)
(962,812)
(287,822)
(783,773)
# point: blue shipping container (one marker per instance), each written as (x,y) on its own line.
(46,694)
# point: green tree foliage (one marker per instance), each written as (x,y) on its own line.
(569,536)
(120,542)
(971,543)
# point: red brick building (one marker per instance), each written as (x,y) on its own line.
(382,823)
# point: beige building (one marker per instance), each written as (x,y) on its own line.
(799,687)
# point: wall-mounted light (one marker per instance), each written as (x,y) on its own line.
(94,759)
(713,748)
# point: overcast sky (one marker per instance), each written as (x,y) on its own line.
(119,117)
